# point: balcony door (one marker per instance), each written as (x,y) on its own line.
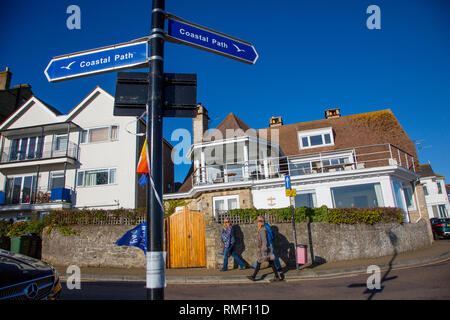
(26,148)
(20,189)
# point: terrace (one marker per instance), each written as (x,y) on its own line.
(356,158)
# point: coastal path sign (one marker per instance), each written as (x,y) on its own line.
(133,54)
(194,35)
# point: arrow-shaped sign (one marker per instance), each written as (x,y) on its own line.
(133,54)
(191,34)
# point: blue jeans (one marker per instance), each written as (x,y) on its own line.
(226,251)
(276,261)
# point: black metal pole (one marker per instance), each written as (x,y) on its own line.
(155,212)
(294,232)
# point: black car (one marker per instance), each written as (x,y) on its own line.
(440,227)
(26,278)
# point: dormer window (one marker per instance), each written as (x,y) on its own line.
(315,138)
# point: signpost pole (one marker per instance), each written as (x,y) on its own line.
(154,123)
(291,200)
(291,194)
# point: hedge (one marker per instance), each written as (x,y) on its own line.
(324,214)
(62,220)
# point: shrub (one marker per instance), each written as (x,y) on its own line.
(4,227)
(364,215)
(64,220)
(17,229)
(323,214)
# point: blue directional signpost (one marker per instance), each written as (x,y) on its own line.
(287,182)
(194,35)
(168,95)
(133,54)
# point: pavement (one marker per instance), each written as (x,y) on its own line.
(438,251)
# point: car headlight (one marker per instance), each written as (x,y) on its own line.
(55,273)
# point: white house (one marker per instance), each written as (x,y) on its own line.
(435,192)
(364,160)
(83,159)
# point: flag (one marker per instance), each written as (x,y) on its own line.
(135,237)
(143,166)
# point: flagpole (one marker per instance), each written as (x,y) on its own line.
(154,123)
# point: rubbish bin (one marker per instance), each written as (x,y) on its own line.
(301,254)
(21,245)
(5,243)
(35,246)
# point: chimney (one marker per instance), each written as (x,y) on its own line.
(275,122)
(333,113)
(200,123)
(5,79)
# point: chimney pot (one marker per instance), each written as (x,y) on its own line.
(200,123)
(275,122)
(5,79)
(333,113)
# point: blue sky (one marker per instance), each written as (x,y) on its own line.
(313,55)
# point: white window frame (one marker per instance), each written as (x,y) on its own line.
(82,184)
(410,190)
(439,187)
(309,191)
(110,128)
(55,174)
(225,199)
(35,150)
(316,132)
(22,185)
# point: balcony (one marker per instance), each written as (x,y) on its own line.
(13,156)
(33,199)
(308,164)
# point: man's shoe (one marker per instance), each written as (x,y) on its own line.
(251,278)
(276,280)
(244,267)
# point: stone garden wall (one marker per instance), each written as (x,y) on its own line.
(95,246)
(325,241)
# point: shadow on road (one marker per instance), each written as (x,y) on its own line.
(371,281)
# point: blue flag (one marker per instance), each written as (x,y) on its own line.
(143,180)
(135,237)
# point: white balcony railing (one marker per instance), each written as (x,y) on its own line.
(311,163)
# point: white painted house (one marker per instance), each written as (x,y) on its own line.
(435,191)
(83,159)
(364,160)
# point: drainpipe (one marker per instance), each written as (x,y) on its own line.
(68,137)
(37,183)
(3,145)
(415,182)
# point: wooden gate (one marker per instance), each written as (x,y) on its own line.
(185,234)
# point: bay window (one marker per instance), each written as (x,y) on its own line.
(358,196)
